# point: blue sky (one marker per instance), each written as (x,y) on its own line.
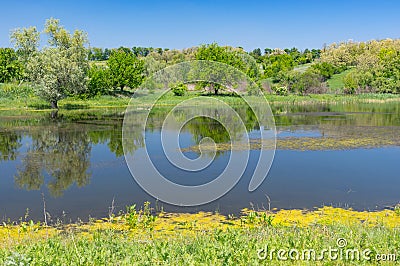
(180,24)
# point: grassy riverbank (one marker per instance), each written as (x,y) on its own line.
(36,104)
(140,237)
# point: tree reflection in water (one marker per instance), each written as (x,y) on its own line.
(10,142)
(58,149)
(61,149)
(63,154)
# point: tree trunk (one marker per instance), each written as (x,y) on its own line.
(54,104)
(213,88)
(54,114)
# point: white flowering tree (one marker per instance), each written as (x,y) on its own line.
(59,69)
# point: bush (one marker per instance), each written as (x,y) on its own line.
(180,89)
(281,90)
(311,82)
(15,91)
(277,63)
(326,70)
(386,85)
(303,83)
(287,79)
(10,67)
(358,81)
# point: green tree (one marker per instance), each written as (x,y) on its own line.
(99,81)
(10,66)
(26,41)
(268,51)
(151,65)
(106,54)
(275,63)
(234,57)
(256,53)
(180,89)
(126,70)
(96,54)
(303,83)
(141,51)
(326,69)
(61,69)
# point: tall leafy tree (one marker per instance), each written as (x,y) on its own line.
(126,70)
(99,81)
(236,58)
(256,53)
(141,51)
(59,69)
(275,63)
(96,54)
(106,54)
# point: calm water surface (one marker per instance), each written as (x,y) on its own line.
(76,161)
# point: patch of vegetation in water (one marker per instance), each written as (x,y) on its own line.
(303,144)
(332,138)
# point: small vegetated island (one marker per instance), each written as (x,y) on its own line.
(67,73)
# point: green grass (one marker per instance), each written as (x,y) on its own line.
(335,83)
(181,240)
(139,237)
(34,103)
(302,68)
(232,247)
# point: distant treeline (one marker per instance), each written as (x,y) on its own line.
(300,57)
